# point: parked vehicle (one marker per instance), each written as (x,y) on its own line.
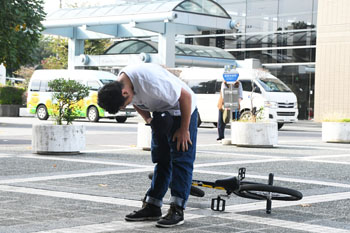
(278,101)
(39,98)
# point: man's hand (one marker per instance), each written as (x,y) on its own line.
(182,138)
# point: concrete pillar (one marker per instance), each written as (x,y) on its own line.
(75,48)
(166,46)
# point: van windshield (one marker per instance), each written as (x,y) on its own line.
(273,85)
(105,81)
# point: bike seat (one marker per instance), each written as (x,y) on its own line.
(229,184)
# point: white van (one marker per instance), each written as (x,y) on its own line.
(39,95)
(278,101)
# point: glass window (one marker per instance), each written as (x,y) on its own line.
(105,81)
(202,7)
(237,10)
(35,85)
(314,13)
(202,87)
(131,47)
(246,85)
(296,14)
(93,85)
(44,86)
(262,15)
(273,85)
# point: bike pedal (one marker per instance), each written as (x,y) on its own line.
(218,204)
(241,173)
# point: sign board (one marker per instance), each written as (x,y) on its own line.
(230,77)
(231,96)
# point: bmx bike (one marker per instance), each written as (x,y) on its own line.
(246,189)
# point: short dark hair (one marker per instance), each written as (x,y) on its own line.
(110,97)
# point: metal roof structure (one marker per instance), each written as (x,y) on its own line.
(161,18)
(131,51)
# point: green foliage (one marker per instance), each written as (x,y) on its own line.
(58,48)
(11,95)
(20,30)
(96,47)
(67,94)
(59,53)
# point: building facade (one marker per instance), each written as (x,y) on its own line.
(332,80)
(281,34)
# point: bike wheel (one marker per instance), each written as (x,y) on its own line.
(265,191)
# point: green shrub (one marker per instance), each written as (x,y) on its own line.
(11,95)
(66,97)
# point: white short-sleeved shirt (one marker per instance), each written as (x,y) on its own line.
(156,89)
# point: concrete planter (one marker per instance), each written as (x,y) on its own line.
(144,136)
(336,132)
(9,110)
(254,134)
(58,139)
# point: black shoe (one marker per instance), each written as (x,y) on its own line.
(149,212)
(174,217)
(219,139)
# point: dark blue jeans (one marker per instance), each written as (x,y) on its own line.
(173,168)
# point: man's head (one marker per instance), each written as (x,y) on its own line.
(112,97)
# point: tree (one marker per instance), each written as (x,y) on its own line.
(59,47)
(66,97)
(20,29)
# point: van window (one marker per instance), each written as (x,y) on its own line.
(105,81)
(273,85)
(218,87)
(93,85)
(44,86)
(35,86)
(246,85)
(203,87)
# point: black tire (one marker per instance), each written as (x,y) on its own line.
(42,113)
(246,116)
(215,124)
(121,119)
(280,125)
(263,191)
(92,114)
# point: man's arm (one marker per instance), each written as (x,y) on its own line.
(182,135)
(144,114)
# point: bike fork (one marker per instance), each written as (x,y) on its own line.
(269,196)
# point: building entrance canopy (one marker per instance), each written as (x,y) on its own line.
(164,19)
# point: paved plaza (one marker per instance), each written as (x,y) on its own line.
(93,191)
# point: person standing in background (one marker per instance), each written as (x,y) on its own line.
(221,124)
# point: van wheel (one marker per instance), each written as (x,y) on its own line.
(92,114)
(199,121)
(121,119)
(280,125)
(246,116)
(41,112)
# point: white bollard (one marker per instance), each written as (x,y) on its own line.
(144,136)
